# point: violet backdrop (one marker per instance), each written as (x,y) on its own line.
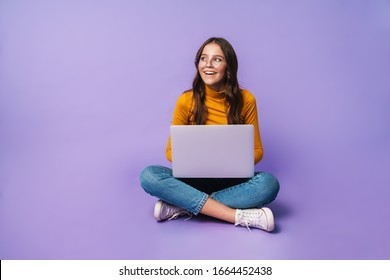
(87,91)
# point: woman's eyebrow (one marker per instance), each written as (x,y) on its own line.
(217,55)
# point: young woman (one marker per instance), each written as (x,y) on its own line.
(215,98)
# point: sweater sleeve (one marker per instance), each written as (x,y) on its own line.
(251,117)
(180,117)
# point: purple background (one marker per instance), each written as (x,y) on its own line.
(87,91)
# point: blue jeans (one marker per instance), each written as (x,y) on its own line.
(257,191)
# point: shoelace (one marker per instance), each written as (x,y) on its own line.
(178,214)
(243,223)
(245,220)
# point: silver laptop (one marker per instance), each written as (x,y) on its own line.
(212,151)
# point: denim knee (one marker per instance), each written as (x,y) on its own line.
(271,183)
(148,177)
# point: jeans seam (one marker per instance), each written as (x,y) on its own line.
(201,203)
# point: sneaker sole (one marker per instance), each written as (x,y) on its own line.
(270,219)
(157,210)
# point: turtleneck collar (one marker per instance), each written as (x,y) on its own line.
(215,94)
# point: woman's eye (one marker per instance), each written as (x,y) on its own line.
(218,59)
(203,59)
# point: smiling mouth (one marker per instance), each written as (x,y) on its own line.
(210,72)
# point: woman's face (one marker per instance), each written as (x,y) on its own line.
(212,66)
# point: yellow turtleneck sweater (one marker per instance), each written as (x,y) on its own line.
(215,103)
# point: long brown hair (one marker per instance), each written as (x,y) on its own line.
(234,102)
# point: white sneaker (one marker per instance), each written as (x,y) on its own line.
(165,211)
(261,218)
